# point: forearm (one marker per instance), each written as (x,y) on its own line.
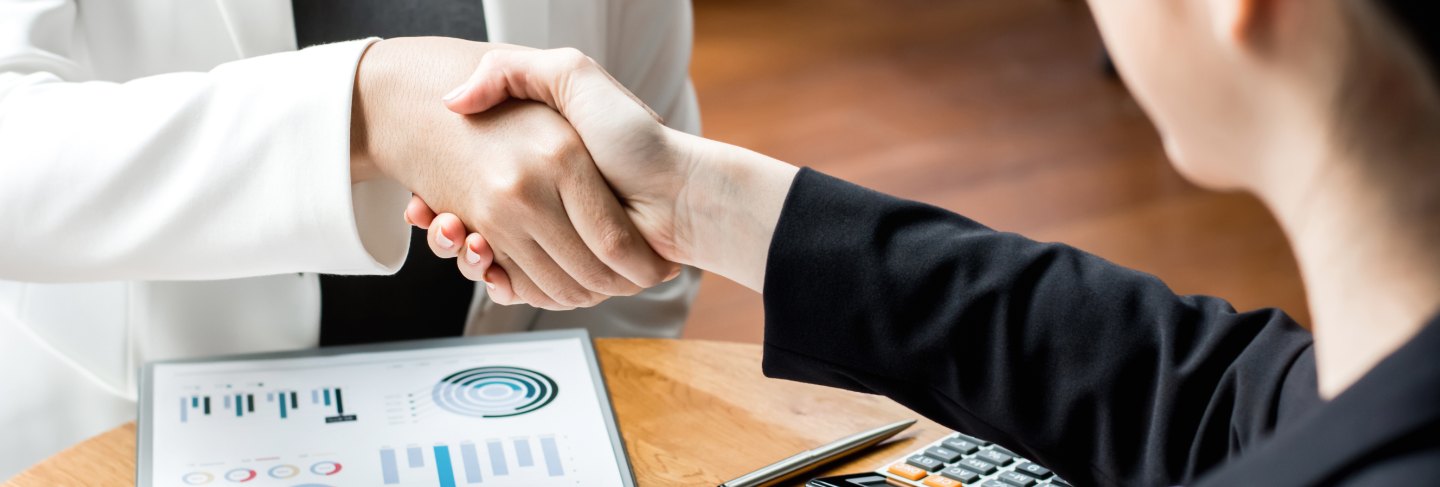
(1099,371)
(727,210)
(258,174)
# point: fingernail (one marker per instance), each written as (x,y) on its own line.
(472,257)
(455,93)
(490,286)
(445,243)
(673,274)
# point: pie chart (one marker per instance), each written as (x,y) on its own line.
(494,392)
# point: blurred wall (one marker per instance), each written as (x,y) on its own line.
(996,110)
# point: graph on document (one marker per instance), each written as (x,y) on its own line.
(524,414)
(227,402)
(266,471)
(478,392)
(524,460)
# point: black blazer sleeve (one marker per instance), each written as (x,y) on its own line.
(1098,371)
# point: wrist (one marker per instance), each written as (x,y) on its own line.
(362,165)
(727,207)
(397,118)
(371,97)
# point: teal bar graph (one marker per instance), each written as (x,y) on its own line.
(503,461)
(241,404)
(443,471)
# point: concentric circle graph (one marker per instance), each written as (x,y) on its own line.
(494,392)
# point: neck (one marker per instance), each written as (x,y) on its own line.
(1371,271)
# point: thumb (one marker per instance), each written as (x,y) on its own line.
(486,87)
(550,76)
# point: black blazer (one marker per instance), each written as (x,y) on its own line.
(1097,371)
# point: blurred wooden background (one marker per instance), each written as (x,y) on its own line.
(997,110)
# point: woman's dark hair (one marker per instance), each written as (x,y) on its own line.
(1419,22)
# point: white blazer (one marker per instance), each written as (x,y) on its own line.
(158,155)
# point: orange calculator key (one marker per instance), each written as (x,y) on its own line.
(907,472)
(938,481)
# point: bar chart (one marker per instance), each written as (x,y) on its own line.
(470,415)
(508,461)
(279,404)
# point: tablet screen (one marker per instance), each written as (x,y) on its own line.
(530,412)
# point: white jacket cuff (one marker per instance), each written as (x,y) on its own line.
(342,228)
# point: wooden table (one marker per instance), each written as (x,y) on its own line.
(691,412)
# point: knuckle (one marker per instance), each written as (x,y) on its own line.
(653,273)
(654,276)
(529,294)
(601,280)
(615,244)
(573,58)
(510,190)
(591,277)
(500,300)
(506,186)
(471,273)
(560,149)
(572,297)
(594,300)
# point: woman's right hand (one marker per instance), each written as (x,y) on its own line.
(643,160)
(694,201)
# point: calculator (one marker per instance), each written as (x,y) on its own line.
(962,460)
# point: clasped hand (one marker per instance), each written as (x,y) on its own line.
(581,218)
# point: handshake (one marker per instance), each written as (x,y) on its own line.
(549,180)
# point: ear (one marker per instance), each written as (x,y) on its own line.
(1235,22)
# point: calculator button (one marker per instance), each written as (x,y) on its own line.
(1004,450)
(977,465)
(926,463)
(972,439)
(1059,483)
(960,474)
(1033,469)
(906,472)
(995,457)
(938,481)
(963,446)
(995,483)
(942,454)
(1016,479)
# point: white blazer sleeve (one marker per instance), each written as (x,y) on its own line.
(240,171)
